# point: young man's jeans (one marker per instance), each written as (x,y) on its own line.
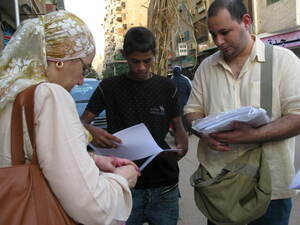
(157,206)
(278,213)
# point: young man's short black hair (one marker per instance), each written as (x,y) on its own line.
(236,8)
(139,39)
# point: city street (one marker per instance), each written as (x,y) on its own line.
(189,214)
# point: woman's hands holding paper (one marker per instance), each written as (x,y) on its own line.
(109,164)
(123,167)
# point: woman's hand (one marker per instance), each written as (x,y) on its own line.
(109,164)
(104,163)
(130,173)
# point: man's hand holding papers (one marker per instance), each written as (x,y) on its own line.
(232,127)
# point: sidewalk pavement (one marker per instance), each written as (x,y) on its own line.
(189,213)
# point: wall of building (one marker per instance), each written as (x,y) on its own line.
(136,13)
(121,15)
(27,9)
(184,44)
(278,16)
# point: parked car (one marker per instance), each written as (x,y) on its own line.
(82,94)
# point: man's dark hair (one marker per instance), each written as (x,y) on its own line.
(138,39)
(236,8)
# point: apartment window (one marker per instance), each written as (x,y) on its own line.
(180,38)
(186,36)
(269,2)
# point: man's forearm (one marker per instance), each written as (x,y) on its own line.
(190,117)
(86,118)
(180,135)
(285,127)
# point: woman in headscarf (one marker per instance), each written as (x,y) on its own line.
(58,48)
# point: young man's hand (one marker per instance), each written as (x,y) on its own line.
(101,138)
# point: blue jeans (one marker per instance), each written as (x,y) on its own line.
(278,213)
(157,206)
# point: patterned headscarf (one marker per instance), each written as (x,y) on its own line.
(57,36)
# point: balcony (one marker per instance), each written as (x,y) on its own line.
(119,7)
(31,8)
(119,17)
(8,7)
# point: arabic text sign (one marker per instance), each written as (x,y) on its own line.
(287,40)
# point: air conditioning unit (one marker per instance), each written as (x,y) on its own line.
(182,49)
(193,45)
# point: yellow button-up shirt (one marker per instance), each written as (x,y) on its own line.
(216,90)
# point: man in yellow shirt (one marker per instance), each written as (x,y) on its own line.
(230,79)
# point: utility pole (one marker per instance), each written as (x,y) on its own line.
(17,13)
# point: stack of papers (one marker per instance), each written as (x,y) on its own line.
(223,121)
(137,143)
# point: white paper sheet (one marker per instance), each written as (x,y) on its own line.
(137,143)
(296,182)
(223,121)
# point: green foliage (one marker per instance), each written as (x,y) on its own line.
(92,74)
(108,72)
(118,56)
(119,66)
(122,68)
(115,69)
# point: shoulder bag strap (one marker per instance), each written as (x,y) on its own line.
(23,102)
(266,81)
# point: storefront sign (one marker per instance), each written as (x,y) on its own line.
(287,40)
(188,61)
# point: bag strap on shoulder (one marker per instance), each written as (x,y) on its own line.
(24,102)
(266,80)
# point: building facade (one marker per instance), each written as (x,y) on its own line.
(277,22)
(274,21)
(120,16)
(184,43)
(12,12)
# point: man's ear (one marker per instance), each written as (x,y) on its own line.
(247,21)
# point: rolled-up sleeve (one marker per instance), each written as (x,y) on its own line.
(195,101)
(289,90)
(89,196)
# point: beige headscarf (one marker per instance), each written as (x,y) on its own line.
(57,36)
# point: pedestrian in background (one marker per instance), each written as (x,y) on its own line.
(58,49)
(230,79)
(184,87)
(140,96)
